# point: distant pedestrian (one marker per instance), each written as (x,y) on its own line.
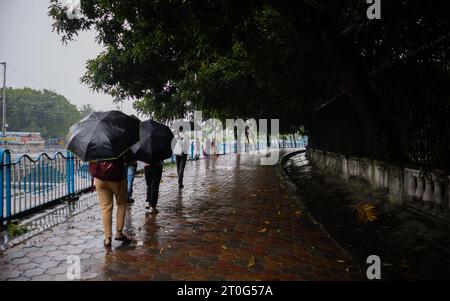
(181,150)
(207,147)
(131,173)
(197,148)
(213,147)
(131,167)
(110,181)
(153,174)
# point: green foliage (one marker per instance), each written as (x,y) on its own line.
(44,111)
(258,59)
(85,110)
(15,229)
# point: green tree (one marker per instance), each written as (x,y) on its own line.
(274,59)
(44,111)
(86,109)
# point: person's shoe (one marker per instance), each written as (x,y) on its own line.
(107,242)
(153,210)
(181,186)
(123,238)
(147,205)
(130,200)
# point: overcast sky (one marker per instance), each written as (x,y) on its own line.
(36,58)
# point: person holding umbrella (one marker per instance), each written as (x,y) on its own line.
(154,146)
(102,138)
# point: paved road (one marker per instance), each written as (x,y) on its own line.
(234,220)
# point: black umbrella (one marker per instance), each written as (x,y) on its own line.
(155,142)
(103,136)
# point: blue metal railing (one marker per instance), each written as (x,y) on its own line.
(28,183)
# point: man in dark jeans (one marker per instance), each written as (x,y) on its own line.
(153,174)
(181,164)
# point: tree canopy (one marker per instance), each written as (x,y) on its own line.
(44,111)
(252,59)
(86,109)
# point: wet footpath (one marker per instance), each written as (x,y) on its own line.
(235,220)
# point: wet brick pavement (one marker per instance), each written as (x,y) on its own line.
(234,220)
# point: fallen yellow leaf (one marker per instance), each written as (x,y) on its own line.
(224,247)
(262,230)
(161,251)
(251,262)
(366,213)
(213,189)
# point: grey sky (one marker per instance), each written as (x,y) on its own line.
(37,59)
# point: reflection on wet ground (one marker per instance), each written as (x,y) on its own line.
(234,220)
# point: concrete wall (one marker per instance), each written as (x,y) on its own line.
(427,192)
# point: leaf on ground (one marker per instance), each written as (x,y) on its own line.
(279,212)
(253,195)
(161,251)
(366,213)
(340,261)
(213,189)
(267,222)
(298,212)
(224,247)
(251,262)
(262,230)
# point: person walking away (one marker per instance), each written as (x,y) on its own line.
(197,148)
(181,150)
(213,147)
(110,181)
(153,174)
(131,173)
(208,147)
